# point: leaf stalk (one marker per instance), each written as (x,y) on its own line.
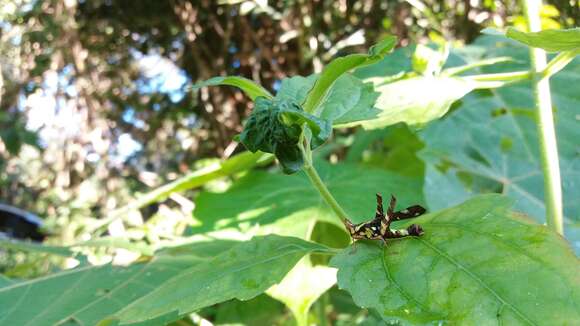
(318,183)
(545,119)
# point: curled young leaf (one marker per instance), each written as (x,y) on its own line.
(275,127)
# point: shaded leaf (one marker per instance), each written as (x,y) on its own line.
(5,281)
(242,272)
(251,89)
(489,144)
(476,264)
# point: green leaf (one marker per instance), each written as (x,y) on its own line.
(350,102)
(296,88)
(86,294)
(549,40)
(489,144)
(275,126)
(303,285)
(242,272)
(339,66)
(274,203)
(476,264)
(415,100)
(251,89)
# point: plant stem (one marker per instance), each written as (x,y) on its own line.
(318,183)
(326,195)
(502,77)
(545,122)
(559,62)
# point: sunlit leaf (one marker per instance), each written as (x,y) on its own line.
(427,61)
(416,100)
(476,264)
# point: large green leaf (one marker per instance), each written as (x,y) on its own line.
(264,202)
(489,144)
(88,294)
(243,272)
(476,264)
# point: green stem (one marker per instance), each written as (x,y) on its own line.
(326,195)
(318,183)
(545,122)
(559,62)
(301,317)
(485,62)
(502,77)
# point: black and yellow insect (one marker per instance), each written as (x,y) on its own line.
(379,228)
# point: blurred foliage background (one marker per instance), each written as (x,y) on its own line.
(95,102)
